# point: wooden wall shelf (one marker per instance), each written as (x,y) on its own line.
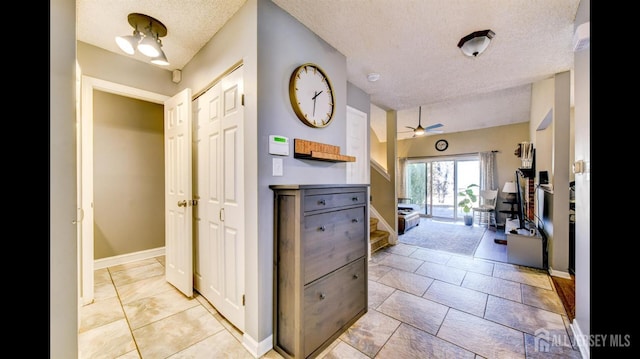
(317,151)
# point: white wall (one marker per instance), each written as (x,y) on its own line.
(582,114)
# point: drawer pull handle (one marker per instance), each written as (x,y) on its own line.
(322,202)
(322,228)
(322,296)
(356,276)
(355,199)
(355,220)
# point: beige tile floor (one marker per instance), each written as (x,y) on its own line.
(422,304)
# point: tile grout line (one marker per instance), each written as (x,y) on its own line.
(126,317)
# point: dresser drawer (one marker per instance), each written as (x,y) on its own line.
(331,240)
(332,302)
(333,200)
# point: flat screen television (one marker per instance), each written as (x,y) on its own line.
(521,204)
(544,201)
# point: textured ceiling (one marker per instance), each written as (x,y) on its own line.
(411,44)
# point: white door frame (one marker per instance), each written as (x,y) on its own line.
(358,145)
(85,167)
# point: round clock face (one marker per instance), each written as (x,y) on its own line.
(311,95)
(442,145)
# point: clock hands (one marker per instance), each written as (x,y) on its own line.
(316,94)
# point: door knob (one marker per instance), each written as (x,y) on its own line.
(182,203)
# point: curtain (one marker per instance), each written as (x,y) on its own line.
(401,185)
(488,171)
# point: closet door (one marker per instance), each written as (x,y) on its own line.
(219,270)
(178,192)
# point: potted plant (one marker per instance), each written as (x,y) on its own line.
(469,198)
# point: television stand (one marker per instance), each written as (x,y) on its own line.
(524,247)
(511,212)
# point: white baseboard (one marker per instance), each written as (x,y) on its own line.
(557,273)
(257,349)
(126,258)
(393,235)
(582,344)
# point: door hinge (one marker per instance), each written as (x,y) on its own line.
(242,100)
(243,300)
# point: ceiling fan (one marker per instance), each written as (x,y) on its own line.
(419,131)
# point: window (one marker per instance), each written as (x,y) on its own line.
(434,183)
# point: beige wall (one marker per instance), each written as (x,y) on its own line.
(503,139)
(383,189)
(550,128)
(63,241)
(128,175)
(541,108)
(378,150)
(379,143)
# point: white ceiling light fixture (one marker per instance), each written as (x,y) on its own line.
(476,42)
(146,38)
(373,76)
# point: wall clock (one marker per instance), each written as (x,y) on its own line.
(311,95)
(442,145)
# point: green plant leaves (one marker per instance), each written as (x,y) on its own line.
(469,198)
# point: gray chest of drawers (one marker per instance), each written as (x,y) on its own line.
(320,265)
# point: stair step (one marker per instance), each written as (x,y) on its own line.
(378,239)
(373,224)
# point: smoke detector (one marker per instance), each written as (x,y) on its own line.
(373,77)
(581,38)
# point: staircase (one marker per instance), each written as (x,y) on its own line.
(378,239)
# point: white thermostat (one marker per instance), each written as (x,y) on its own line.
(278,145)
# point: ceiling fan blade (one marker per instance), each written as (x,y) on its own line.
(434,131)
(413,128)
(437,125)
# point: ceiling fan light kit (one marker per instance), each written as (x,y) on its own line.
(146,38)
(476,42)
(419,131)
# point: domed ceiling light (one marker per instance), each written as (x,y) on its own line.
(146,38)
(476,42)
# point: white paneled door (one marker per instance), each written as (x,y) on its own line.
(178,192)
(219,188)
(357,127)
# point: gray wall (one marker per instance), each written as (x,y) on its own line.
(128,168)
(360,100)
(106,65)
(284,44)
(63,255)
